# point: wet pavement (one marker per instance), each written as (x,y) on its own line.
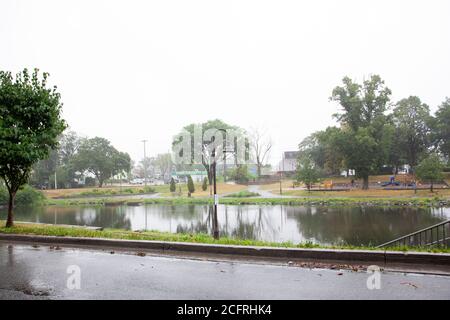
(43,272)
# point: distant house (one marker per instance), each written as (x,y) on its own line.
(197,175)
(288,162)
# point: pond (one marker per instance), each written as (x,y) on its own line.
(277,223)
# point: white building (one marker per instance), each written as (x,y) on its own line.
(288,162)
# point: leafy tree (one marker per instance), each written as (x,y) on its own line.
(61,161)
(441,128)
(322,149)
(430,169)
(100,158)
(240,174)
(205,146)
(205,184)
(30,123)
(190,185)
(412,119)
(172,187)
(363,120)
(43,171)
(307,173)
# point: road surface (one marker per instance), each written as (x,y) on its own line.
(41,272)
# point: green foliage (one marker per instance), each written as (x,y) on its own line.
(306,172)
(190,184)
(173,186)
(323,149)
(25,196)
(243,194)
(205,184)
(240,174)
(430,169)
(29,126)
(204,144)
(30,123)
(412,119)
(363,124)
(441,129)
(100,158)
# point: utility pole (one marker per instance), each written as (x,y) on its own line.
(216,197)
(145,164)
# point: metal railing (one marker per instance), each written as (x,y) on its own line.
(437,235)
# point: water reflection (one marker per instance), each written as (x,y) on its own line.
(325,225)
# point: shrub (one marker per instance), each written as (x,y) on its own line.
(26,196)
(190,185)
(172,185)
(148,189)
(205,184)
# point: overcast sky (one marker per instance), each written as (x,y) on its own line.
(133,70)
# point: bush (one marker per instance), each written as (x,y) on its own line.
(26,196)
(240,174)
(190,185)
(243,194)
(172,185)
(205,184)
(148,189)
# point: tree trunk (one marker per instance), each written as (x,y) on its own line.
(365,185)
(10,219)
(431,186)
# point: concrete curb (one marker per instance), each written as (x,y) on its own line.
(366,256)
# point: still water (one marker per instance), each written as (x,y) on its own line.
(323,225)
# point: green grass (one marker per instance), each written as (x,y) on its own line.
(243,194)
(436,202)
(111,192)
(60,231)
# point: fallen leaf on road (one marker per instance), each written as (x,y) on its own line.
(409,284)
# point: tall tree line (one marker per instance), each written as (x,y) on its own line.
(375,133)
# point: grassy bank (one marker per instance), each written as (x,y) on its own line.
(435,202)
(243,194)
(163,190)
(60,231)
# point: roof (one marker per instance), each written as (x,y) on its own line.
(290,154)
(190,173)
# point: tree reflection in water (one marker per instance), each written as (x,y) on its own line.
(321,224)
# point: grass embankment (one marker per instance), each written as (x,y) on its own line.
(372,193)
(243,194)
(436,202)
(60,231)
(163,190)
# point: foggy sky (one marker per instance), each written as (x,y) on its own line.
(133,70)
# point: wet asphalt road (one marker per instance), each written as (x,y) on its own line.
(41,273)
